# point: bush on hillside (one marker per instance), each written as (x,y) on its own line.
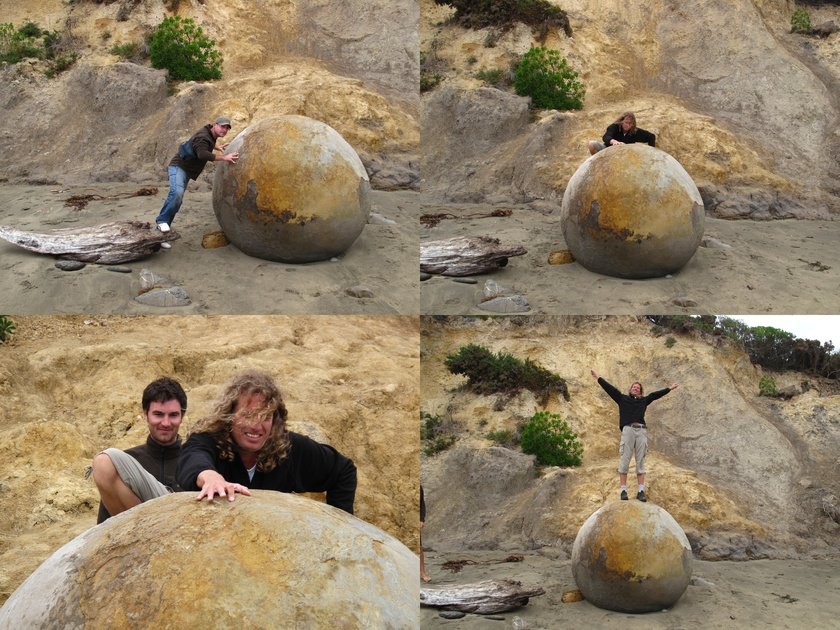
(490,373)
(7,328)
(436,433)
(180,46)
(549,80)
(31,42)
(504,14)
(800,21)
(548,437)
(767,386)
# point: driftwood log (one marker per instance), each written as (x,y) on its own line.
(106,244)
(466,255)
(485,598)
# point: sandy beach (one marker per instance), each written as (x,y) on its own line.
(782,266)
(219,281)
(753,594)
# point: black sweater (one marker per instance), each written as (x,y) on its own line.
(308,467)
(630,408)
(159,461)
(203,143)
(615,132)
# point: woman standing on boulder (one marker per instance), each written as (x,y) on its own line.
(631,422)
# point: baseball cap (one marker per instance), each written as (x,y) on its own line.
(223,120)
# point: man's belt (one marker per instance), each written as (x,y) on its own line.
(638,425)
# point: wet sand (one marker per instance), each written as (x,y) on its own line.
(219,281)
(755,594)
(770,267)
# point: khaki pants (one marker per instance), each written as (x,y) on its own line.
(138,479)
(633,442)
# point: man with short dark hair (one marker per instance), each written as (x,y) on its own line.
(182,169)
(128,478)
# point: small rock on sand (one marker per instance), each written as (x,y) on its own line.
(359,291)
(70,265)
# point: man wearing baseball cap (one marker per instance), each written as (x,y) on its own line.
(188,164)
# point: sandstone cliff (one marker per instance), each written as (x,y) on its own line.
(749,109)
(745,476)
(353,66)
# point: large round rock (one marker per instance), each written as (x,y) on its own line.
(297,194)
(632,211)
(272,560)
(632,557)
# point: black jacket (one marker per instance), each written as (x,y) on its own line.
(308,467)
(615,132)
(630,409)
(159,461)
(203,143)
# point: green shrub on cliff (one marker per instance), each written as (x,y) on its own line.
(31,42)
(800,21)
(549,80)
(549,437)
(7,328)
(180,46)
(540,14)
(490,373)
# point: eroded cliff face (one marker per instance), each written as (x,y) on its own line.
(745,476)
(71,386)
(354,67)
(748,108)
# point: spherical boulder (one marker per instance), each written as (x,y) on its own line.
(298,192)
(631,556)
(632,211)
(272,560)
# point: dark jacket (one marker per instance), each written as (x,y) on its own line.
(203,143)
(159,461)
(308,467)
(615,132)
(422,506)
(630,408)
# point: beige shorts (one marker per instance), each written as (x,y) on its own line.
(633,443)
(139,480)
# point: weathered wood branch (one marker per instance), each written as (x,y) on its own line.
(106,244)
(466,255)
(485,598)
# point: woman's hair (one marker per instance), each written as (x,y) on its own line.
(632,118)
(641,389)
(219,424)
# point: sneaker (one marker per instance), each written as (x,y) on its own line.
(163,227)
(166,245)
(624,495)
(641,496)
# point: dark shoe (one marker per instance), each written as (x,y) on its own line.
(641,496)
(624,495)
